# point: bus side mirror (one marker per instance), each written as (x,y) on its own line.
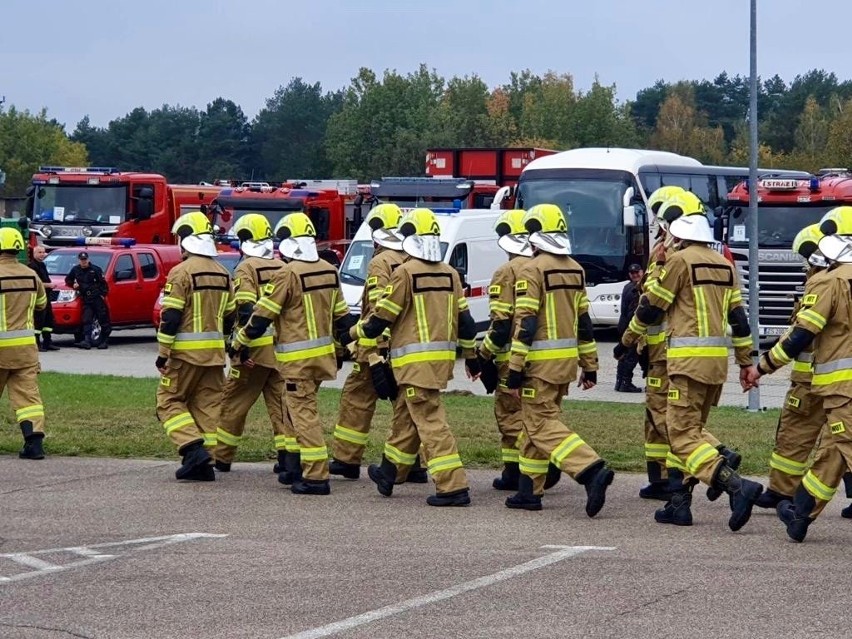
(629,214)
(504,193)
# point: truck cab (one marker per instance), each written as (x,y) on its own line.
(135,275)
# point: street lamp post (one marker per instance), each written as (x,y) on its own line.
(753,271)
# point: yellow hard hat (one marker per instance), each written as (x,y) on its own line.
(511,223)
(193,223)
(807,240)
(683,203)
(252,226)
(419,222)
(295,225)
(662,194)
(838,221)
(384,216)
(11,239)
(545,218)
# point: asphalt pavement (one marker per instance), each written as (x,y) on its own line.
(132,354)
(117,549)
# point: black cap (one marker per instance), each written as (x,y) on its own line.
(82,255)
(633,268)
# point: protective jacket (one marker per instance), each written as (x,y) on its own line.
(304,302)
(21,292)
(426,311)
(250,276)
(198,309)
(552,327)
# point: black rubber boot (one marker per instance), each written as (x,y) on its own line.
(627,386)
(383,475)
(279,465)
(196,464)
(554,474)
(33,448)
(733,459)
(677,510)
(47,342)
(292,471)
(796,514)
(744,493)
(657,488)
(222,467)
(311,487)
(595,479)
(770,499)
(524,498)
(846,513)
(509,479)
(347,471)
(416,474)
(454,498)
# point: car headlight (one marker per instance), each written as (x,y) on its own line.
(66,295)
(47,231)
(87,231)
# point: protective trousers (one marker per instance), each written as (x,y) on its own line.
(301,402)
(656,438)
(422,419)
(357,407)
(189,402)
(834,455)
(689,404)
(24,395)
(541,407)
(507,413)
(242,388)
(801,421)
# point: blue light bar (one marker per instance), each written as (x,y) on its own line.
(126,242)
(813,184)
(446,211)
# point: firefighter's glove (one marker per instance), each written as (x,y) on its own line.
(489,376)
(161,362)
(515,379)
(474,366)
(383,381)
(590,376)
(619,351)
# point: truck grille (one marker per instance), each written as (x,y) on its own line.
(779,286)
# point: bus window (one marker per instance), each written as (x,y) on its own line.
(650,182)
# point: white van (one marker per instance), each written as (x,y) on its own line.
(469,245)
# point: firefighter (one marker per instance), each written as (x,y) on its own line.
(427,314)
(259,373)
(802,415)
(494,354)
(698,296)
(21,292)
(198,310)
(304,302)
(552,333)
(667,204)
(371,378)
(825,313)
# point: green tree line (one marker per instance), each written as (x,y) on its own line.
(381,125)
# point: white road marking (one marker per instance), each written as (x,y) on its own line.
(562,553)
(92,554)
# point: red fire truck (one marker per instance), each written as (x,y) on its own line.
(69,203)
(785,206)
(496,166)
(325,207)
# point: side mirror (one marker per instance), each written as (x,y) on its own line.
(503,194)
(146,193)
(462,271)
(629,216)
(719,229)
(124,274)
(627,200)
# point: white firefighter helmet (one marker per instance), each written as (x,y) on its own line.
(692,228)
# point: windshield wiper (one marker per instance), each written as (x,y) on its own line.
(360,280)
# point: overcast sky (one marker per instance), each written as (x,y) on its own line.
(105,58)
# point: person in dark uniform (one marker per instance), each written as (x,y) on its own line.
(629,302)
(44,323)
(89,282)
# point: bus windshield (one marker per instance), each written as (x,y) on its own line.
(79,203)
(592,207)
(777,225)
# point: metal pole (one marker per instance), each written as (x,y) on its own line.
(753,271)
